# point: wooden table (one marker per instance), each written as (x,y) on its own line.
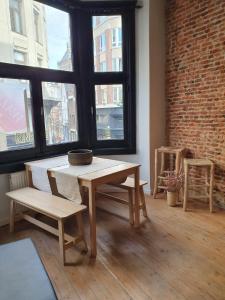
(93,180)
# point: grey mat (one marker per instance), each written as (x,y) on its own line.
(22,274)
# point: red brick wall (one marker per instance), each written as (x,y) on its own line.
(195,75)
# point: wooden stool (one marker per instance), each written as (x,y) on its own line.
(159,179)
(209,166)
(129,185)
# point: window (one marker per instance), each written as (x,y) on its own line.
(19,57)
(15,7)
(16,126)
(102,42)
(39,61)
(54,40)
(118,95)
(109,113)
(60,113)
(37,24)
(103,66)
(63,85)
(117,64)
(110,29)
(116,37)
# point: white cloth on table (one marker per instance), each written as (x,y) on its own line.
(67,176)
(39,171)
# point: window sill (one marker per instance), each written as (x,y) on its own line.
(19,165)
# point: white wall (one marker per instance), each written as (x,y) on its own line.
(142,94)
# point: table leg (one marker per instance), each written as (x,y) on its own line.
(92,220)
(136,199)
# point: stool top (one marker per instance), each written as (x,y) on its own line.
(198,162)
(168,149)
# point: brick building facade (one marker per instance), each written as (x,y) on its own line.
(195,87)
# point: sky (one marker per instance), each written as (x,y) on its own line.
(58,34)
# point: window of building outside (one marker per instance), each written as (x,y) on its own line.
(116,37)
(37,29)
(56,99)
(19,57)
(117,64)
(39,61)
(103,66)
(15,8)
(102,47)
(118,95)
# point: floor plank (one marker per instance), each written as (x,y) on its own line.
(173,255)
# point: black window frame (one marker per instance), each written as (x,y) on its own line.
(85,78)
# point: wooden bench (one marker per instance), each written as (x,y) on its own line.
(52,206)
(129,186)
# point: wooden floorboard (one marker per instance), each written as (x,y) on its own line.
(173,255)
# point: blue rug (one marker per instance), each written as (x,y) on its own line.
(22,274)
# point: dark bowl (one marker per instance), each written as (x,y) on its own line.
(80,157)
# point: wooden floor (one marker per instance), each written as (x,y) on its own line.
(174,255)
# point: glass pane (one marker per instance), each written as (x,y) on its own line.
(107,43)
(33,36)
(16,126)
(109,112)
(60,112)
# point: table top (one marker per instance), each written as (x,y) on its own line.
(60,165)
(90,175)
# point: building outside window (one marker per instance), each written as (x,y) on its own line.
(15,7)
(19,57)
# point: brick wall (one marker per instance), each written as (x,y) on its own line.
(195,87)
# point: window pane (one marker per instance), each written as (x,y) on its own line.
(16,127)
(107,43)
(60,112)
(38,31)
(109,112)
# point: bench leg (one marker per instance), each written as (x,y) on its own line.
(81,230)
(61,241)
(12,216)
(143,205)
(131,206)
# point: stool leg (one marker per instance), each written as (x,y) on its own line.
(211,188)
(131,206)
(177,167)
(61,241)
(156,174)
(185,186)
(162,163)
(81,230)
(143,204)
(12,216)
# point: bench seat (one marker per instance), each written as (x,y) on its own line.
(46,203)
(51,206)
